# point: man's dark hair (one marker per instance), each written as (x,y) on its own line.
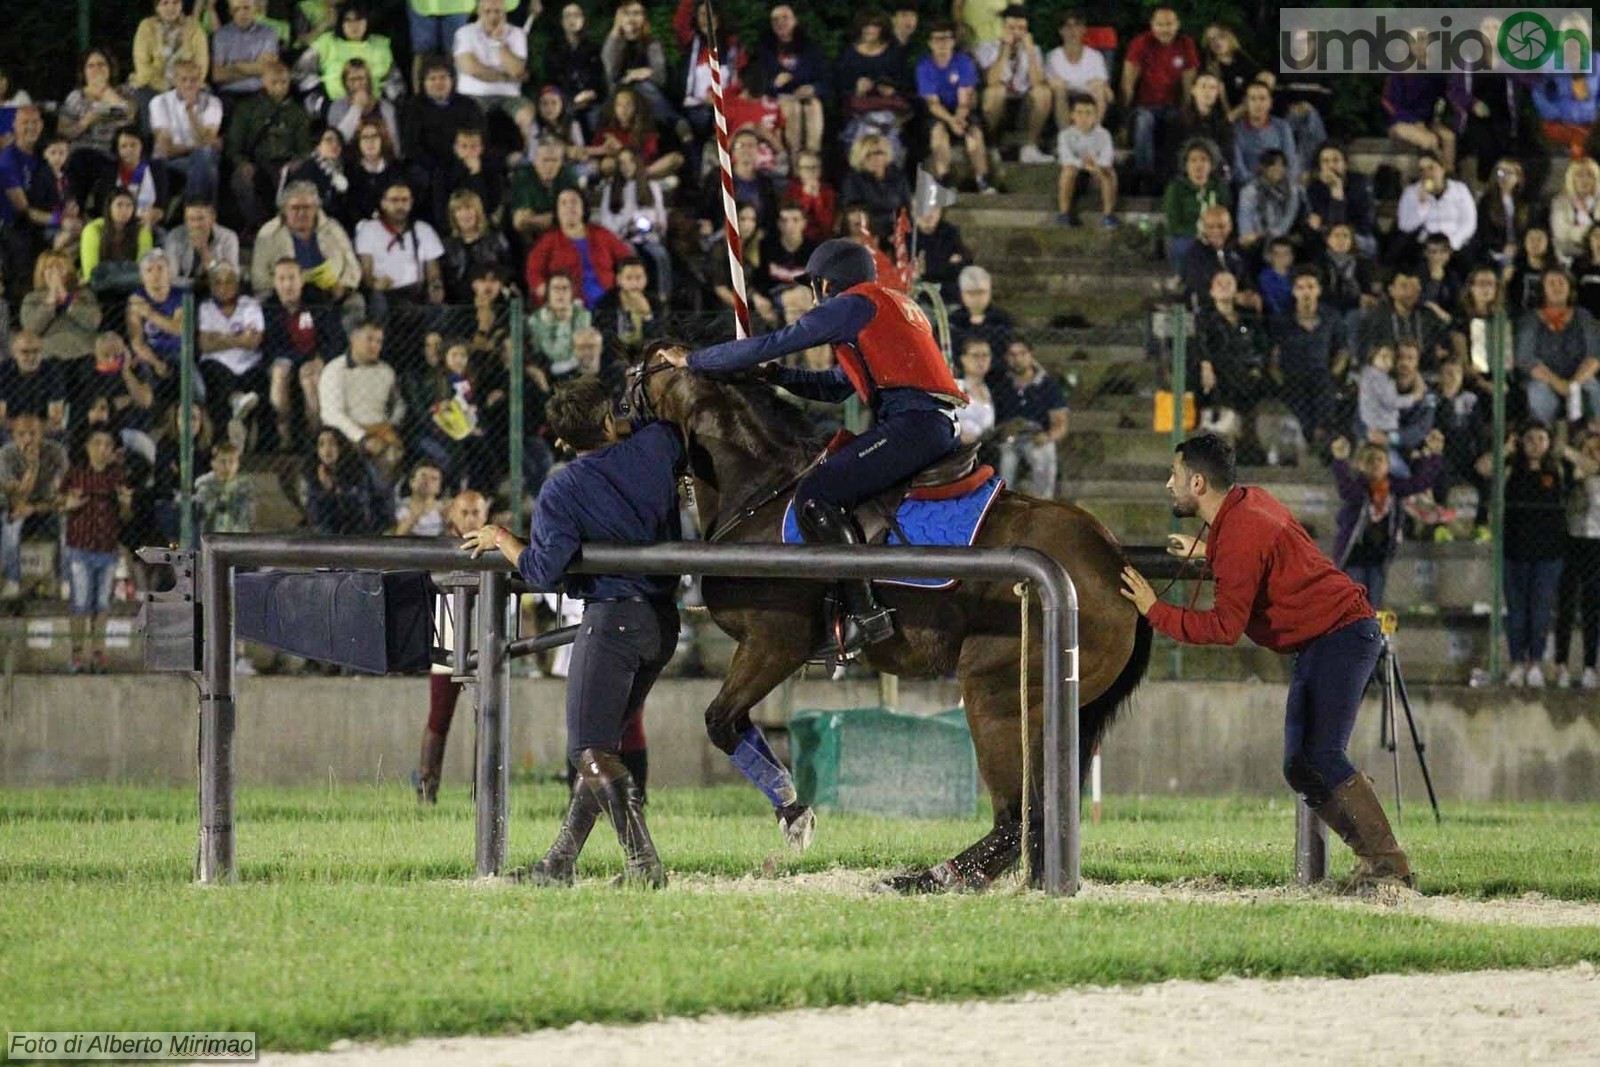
(577,413)
(1307,270)
(630,261)
(942,26)
(1077,100)
(1211,455)
(1280,242)
(434,62)
(199,201)
(1437,239)
(1270,157)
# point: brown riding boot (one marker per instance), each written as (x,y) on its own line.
(429,766)
(1356,815)
(604,776)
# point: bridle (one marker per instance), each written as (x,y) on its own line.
(636,396)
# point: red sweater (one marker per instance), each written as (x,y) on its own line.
(555,253)
(1273,583)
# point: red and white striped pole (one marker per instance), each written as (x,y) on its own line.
(730,209)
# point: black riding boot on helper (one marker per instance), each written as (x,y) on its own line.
(864,621)
(605,786)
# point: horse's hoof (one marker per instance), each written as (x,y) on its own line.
(941,878)
(799,826)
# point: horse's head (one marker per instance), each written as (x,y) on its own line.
(647,382)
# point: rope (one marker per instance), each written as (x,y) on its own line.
(730,210)
(1021,589)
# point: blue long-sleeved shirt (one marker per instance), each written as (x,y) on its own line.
(833,322)
(625,493)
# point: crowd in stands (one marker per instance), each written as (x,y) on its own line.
(353,196)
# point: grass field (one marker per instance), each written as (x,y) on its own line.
(356,915)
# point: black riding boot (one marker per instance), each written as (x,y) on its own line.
(559,865)
(866,622)
(607,779)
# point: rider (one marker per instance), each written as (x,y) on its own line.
(887,355)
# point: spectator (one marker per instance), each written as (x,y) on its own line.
(1352,279)
(400,255)
(1311,350)
(554,322)
(692,30)
(1230,350)
(1462,415)
(1441,284)
(1233,68)
(112,246)
(155,325)
(59,310)
(1402,317)
(1579,591)
(1031,420)
(31,469)
(30,387)
(977,316)
(1411,102)
(422,512)
(1482,302)
(573,61)
(431,30)
(187,122)
(720,272)
(340,492)
(941,254)
(96,503)
(1085,151)
(474,169)
(814,195)
(12,99)
(429,120)
(471,246)
(634,207)
(550,118)
(795,70)
(1204,117)
(358,396)
(1271,204)
(199,245)
(1435,203)
(1503,214)
(162,41)
(19,162)
(577,248)
(633,57)
(362,103)
(224,502)
(1574,210)
(242,51)
(324,169)
(625,125)
(947,81)
(903,18)
(625,315)
(1188,195)
(1371,517)
(1525,274)
(1157,71)
(784,254)
(1557,354)
(1257,132)
(975,420)
(372,169)
(750,186)
(1334,195)
(1534,550)
(873,74)
(321,67)
(1076,68)
(159,506)
(1214,251)
(1014,80)
(874,181)
(298,339)
(589,355)
(1586,271)
(453,437)
(269,130)
(135,173)
(1566,107)
(230,339)
(1275,280)
(306,234)
(1394,406)
(90,117)
(491,57)
(52,210)
(531,198)
(111,378)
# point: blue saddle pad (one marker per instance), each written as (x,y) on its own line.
(938,523)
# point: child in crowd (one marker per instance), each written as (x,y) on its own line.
(1370,516)
(1379,400)
(1276,280)
(1085,148)
(96,503)
(224,502)
(423,512)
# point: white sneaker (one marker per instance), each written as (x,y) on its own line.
(1591,679)
(11,590)
(1535,677)
(1563,677)
(1032,154)
(243,668)
(242,404)
(1518,677)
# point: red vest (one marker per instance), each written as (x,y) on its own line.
(896,350)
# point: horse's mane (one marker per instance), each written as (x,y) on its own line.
(753,418)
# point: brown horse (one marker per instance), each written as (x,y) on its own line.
(746,447)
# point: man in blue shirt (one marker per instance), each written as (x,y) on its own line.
(1030,415)
(617,490)
(947,81)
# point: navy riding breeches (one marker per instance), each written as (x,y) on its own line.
(886,455)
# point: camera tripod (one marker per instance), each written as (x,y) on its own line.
(1393,685)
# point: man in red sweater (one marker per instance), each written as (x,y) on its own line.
(1274,585)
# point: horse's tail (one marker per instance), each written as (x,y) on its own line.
(1098,714)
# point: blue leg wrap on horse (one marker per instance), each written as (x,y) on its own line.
(756,762)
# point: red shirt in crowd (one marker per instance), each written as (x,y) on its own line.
(822,210)
(1273,584)
(556,253)
(1161,69)
(97,526)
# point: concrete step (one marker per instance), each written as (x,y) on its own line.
(1084,450)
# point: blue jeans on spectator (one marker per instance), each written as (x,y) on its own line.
(1309,137)
(1531,587)
(90,575)
(1150,125)
(1549,406)
(11,534)
(1330,675)
(201,173)
(1177,249)
(433,33)
(1372,576)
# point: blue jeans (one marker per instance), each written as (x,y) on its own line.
(1549,406)
(90,574)
(433,33)
(11,533)
(1150,125)
(1372,576)
(1177,250)
(1330,674)
(200,170)
(1531,586)
(889,453)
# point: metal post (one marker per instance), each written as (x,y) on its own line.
(214,863)
(83,25)
(1310,846)
(186,365)
(494,724)
(462,600)
(1497,507)
(1180,387)
(514,416)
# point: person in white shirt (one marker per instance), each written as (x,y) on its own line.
(491,57)
(187,121)
(1013,74)
(400,256)
(231,328)
(1084,148)
(359,397)
(976,420)
(1076,68)
(1435,203)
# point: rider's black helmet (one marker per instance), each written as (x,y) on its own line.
(842,263)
